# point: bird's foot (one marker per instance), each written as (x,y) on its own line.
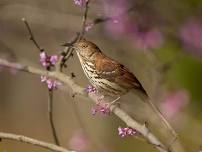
(172,141)
(113,102)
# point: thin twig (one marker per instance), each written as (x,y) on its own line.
(31,35)
(84,19)
(142,129)
(66,54)
(50,104)
(50,117)
(28,140)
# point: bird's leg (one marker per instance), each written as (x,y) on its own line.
(172,141)
(113,102)
(100,99)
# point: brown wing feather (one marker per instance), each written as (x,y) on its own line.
(116,72)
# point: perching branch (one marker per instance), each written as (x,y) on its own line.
(32,141)
(141,128)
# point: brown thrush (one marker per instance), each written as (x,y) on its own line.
(106,74)
(109,76)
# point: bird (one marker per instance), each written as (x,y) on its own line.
(110,77)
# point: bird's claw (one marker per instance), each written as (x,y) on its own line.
(114,102)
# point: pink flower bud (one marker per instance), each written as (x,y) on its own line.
(126,131)
(53,59)
(51,83)
(80,2)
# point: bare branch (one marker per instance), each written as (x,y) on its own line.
(50,117)
(32,141)
(32,36)
(66,54)
(142,129)
(84,19)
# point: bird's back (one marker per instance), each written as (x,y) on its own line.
(112,76)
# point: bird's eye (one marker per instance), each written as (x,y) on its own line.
(84,46)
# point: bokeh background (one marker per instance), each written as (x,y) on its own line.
(158,40)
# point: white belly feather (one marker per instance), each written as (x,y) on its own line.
(93,77)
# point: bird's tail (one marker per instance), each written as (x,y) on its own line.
(144,97)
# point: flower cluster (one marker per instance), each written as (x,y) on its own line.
(174,103)
(152,38)
(51,83)
(89,26)
(90,89)
(100,107)
(126,131)
(79,141)
(191,36)
(48,61)
(80,2)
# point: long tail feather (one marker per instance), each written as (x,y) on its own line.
(143,95)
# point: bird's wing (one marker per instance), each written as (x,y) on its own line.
(115,72)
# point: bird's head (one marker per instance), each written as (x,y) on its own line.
(85,48)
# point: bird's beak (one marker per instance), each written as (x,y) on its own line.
(67,44)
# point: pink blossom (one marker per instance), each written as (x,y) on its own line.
(53,59)
(80,2)
(43,78)
(115,8)
(147,39)
(126,131)
(191,36)
(102,108)
(116,26)
(89,26)
(122,132)
(117,12)
(143,36)
(93,110)
(51,83)
(174,103)
(79,141)
(43,56)
(46,60)
(90,89)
